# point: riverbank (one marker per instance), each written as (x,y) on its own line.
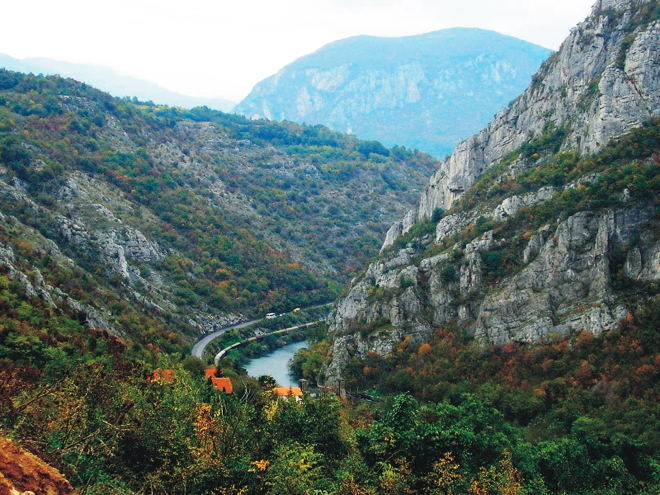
(212,343)
(276,364)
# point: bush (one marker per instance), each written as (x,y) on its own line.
(492,261)
(448,274)
(437,215)
(406,282)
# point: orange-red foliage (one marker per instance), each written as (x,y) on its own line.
(424,350)
(165,375)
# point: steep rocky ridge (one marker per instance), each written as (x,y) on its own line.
(425,92)
(542,235)
(602,83)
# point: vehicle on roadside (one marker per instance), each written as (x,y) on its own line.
(270,316)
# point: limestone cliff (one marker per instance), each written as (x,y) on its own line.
(532,236)
(602,83)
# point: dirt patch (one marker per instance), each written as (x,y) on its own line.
(22,472)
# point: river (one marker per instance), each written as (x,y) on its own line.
(276,364)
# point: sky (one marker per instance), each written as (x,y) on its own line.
(221,49)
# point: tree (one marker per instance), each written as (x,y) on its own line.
(193,365)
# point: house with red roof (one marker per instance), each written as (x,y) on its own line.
(224,384)
(288,392)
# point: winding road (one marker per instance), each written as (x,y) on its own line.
(198,348)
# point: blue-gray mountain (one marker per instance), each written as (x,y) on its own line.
(425,92)
(113,82)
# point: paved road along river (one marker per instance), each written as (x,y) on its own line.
(198,348)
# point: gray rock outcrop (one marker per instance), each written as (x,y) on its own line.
(115,242)
(511,205)
(601,84)
(51,296)
(564,287)
(567,288)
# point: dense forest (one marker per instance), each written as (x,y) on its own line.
(571,415)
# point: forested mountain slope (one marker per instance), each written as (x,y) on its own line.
(535,227)
(425,92)
(190,217)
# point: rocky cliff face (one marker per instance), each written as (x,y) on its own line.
(522,279)
(602,83)
(563,285)
(425,92)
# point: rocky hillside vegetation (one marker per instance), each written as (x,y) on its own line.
(516,354)
(426,92)
(543,225)
(140,217)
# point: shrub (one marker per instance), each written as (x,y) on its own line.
(437,215)
(406,282)
(448,274)
(492,263)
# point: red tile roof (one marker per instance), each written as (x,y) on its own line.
(286,391)
(210,372)
(223,384)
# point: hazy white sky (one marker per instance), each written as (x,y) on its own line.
(220,48)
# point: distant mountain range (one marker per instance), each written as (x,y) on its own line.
(113,82)
(426,92)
